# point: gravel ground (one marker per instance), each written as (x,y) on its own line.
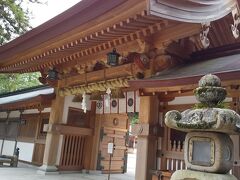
(26,172)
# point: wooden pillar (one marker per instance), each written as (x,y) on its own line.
(52,139)
(96,138)
(164,142)
(91,141)
(147,144)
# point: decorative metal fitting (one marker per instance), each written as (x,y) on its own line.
(236,21)
(203,35)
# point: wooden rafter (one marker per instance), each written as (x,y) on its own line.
(81,40)
(87,47)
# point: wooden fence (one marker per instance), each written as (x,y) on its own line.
(72,153)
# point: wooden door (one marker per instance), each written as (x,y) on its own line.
(73,147)
(114,130)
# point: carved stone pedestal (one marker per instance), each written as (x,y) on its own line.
(196,175)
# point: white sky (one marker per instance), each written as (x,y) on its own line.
(43,12)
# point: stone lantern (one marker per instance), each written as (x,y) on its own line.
(208,149)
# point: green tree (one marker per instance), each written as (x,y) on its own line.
(134,118)
(13,82)
(14,21)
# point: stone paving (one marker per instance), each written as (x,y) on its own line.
(24,172)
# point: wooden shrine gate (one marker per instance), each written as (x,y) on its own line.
(114,130)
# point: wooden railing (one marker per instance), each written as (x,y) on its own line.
(171,158)
(72,152)
(174,156)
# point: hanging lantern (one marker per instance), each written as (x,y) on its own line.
(118,94)
(52,74)
(113,58)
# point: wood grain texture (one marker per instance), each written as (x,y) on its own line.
(146,151)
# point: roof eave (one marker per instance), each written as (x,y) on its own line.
(150,83)
(59,25)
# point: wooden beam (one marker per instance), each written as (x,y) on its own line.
(186,90)
(182,107)
(176,50)
(175,32)
(171,154)
(184,83)
(65,129)
(94,76)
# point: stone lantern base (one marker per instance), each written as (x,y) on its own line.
(196,175)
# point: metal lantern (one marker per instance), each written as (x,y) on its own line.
(112,58)
(52,74)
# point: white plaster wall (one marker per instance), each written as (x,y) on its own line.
(8,147)
(137,102)
(3,114)
(122,105)
(106,104)
(25,151)
(16,114)
(13,114)
(183,100)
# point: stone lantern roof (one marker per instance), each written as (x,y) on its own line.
(211,116)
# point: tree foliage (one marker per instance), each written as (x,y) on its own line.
(13,82)
(14,21)
(134,118)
